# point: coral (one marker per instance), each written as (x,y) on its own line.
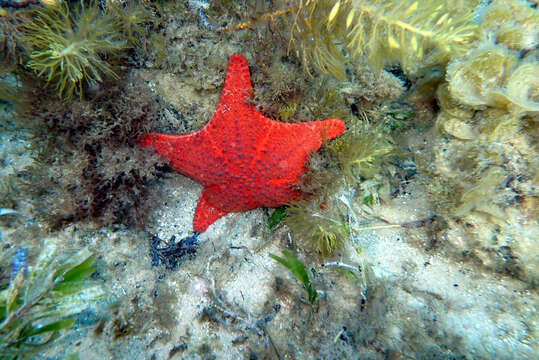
(69,45)
(414,33)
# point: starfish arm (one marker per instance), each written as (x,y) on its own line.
(205,213)
(315,132)
(282,153)
(328,129)
(237,86)
(190,155)
(237,89)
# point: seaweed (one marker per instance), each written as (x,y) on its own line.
(494,76)
(69,45)
(130,20)
(13,48)
(414,33)
(85,162)
(356,165)
(511,23)
(298,270)
(481,167)
(169,253)
(362,151)
(276,217)
(42,299)
(318,224)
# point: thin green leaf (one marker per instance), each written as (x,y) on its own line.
(276,217)
(79,272)
(296,267)
(55,326)
(299,272)
(68,288)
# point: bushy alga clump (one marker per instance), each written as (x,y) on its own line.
(416,34)
(86,162)
(352,174)
(70,44)
(13,48)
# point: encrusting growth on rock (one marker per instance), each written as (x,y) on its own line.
(243,159)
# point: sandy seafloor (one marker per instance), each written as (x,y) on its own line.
(419,305)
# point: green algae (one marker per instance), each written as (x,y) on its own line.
(43,298)
(298,270)
(70,46)
(412,33)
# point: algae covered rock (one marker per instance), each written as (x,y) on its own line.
(473,80)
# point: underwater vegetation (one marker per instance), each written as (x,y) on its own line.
(43,298)
(362,151)
(169,253)
(131,20)
(482,166)
(298,270)
(485,103)
(494,76)
(479,166)
(514,24)
(317,224)
(13,48)
(358,164)
(413,33)
(70,45)
(82,150)
(476,158)
(86,164)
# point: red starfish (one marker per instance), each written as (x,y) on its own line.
(243,159)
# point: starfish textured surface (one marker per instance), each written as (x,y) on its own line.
(243,159)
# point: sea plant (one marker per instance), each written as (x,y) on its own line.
(12,45)
(85,164)
(70,44)
(276,216)
(514,24)
(130,20)
(482,174)
(415,33)
(298,270)
(42,299)
(358,161)
(317,223)
(362,151)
